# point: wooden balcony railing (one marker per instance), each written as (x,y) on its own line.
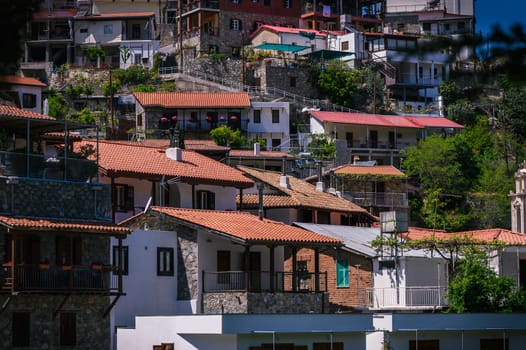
(263,281)
(57,279)
(386,199)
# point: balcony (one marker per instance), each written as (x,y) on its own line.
(238,292)
(35,278)
(408,298)
(41,167)
(378,199)
(263,281)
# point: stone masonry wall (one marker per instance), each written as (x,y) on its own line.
(265,303)
(54,199)
(92,330)
(187,264)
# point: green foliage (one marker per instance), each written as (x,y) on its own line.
(57,105)
(339,83)
(168,86)
(225,136)
(262,143)
(75,91)
(125,54)
(321,148)
(135,74)
(510,112)
(112,89)
(218,56)
(449,90)
(157,60)
(95,52)
(477,288)
(462,112)
(144,88)
(86,117)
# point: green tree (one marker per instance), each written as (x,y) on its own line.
(510,112)
(57,105)
(477,288)
(462,112)
(225,136)
(339,83)
(321,148)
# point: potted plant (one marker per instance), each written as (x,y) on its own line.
(44,264)
(96,265)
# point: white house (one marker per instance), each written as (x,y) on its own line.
(28,91)
(308,39)
(270,121)
(127,38)
(213,262)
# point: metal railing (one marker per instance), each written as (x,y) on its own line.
(60,278)
(42,167)
(377,198)
(263,281)
(406,297)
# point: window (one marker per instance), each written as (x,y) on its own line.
(108,29)
(349,138)
(165,261)
(266,2)
(68,250)
(124,260)
(424,345)
(461,25)
(68,329)
(137,59)
(83,30)
(257,116)
(427,27)
(342,273)
(235,24)
(206,200)
(327,346)
(345,46)
(29,100)
(276,143)
(20,329)
(287,4)
(447,26)
(292,81)
(494,344)
(275,116)
(123,196)
(136,31)
(213,49)
(386,264)
(236,51)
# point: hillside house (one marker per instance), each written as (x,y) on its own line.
(56,279)
(288,199)
(139,174)
(377,137)
(25,92)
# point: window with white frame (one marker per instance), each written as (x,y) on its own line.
(124,260)
(287,4)
(235,24)
(165,261)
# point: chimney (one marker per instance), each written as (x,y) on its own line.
(260,187)
(257,148)
(175,153)
(320,186)
(284,181)
(356,159)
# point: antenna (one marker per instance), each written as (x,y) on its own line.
(148,204)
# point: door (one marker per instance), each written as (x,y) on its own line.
(373,139)
(255,272)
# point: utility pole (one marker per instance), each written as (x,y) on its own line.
(180,34)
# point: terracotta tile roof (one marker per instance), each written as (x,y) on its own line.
(193,99)
(32,224)
(487,235)
(351,169)
(204,145)
(384,120)
(299,194)
(16,80)
(247,227)
(262,154)
(123,159)
(10,111)
(121,15)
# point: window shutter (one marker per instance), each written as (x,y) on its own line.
(129,198)
(240,24)
(211,200)
(77,258)
(231,24)
(342,273)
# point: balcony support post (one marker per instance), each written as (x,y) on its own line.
(294,268)
(247,285)
(56,312)
(120,264)
(107,311)
(317,270)
(272,268)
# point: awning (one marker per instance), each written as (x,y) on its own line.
(282,47)
(328,54)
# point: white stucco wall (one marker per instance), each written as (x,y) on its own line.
(31,90)
(266,129)
(95,32)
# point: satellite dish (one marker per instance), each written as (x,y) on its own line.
(148,204)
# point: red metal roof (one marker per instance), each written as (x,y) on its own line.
(16,80)
(400,121)
(123,159)
(194,99)
(10,111)
(54,14)
(246,226)
(20,223)
(262,154)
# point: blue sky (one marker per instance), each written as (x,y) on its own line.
(503,12)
